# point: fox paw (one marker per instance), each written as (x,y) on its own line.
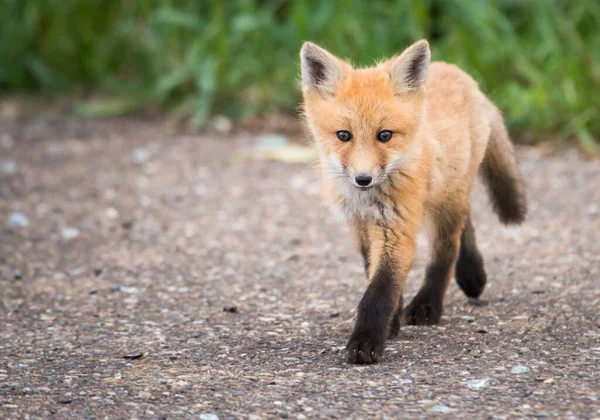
(364,348)
(423,311)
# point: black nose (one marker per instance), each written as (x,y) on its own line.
(363,180)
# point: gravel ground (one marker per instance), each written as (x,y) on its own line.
(157,277)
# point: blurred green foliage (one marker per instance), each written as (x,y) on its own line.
(538,59)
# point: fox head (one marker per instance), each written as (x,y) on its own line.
(364,121)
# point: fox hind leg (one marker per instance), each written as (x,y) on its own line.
(426,307)
(470,271)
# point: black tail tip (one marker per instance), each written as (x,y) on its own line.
(512,211)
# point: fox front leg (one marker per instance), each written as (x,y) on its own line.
(391,252)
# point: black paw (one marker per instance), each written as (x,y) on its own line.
(471,279)
(423,310)
(364,348)
(470,273)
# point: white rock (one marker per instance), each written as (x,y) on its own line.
(520,369)
(112,213)
(17,220)
(9,167)
(209,416)
(478,383)
(141,155)
(145,395)
(70,233)
(222,124)
(440,408)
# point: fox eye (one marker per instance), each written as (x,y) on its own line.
(384,136)
(344,135)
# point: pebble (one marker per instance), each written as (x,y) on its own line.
(93,290)
(519,369)
(115,288)
(200,189)
(222,124)
(231,309)
(70,233)
(271,140)
(145,395)
(284,415)
(112,213)
(18,275)
(440,408)
(141,155)
(209,416)
(17,220)
(478,383)
(9,167)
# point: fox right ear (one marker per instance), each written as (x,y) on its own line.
(409,71)
(321,70)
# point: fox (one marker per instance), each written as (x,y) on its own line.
(399,145)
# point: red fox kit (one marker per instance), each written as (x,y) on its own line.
(400,144)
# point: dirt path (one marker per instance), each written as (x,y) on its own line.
(121,258)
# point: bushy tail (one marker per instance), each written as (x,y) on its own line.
(501,174)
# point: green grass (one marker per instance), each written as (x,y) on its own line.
(538,59)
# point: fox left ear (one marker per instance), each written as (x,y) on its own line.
(321,70)
(409,71)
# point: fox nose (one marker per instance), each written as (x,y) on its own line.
(363,180)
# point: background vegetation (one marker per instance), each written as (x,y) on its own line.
(539,59)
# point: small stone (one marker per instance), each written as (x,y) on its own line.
(269,141)
(70,233)
(284,415)
(115,288)
(519,369)
(549,381)
(145,395)
(141,155)
(112,213)
(18,275)
(93,291)
(478,302)
(440,408)
(231,309)
(128,290)
(98,272)
(9,167)
(222,124)
(128,224)
(65,401)
(133,356)
(209,416)
(200,189)
(478,383)
(17,220)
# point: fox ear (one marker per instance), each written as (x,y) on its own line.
(409,70)
(321,70)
